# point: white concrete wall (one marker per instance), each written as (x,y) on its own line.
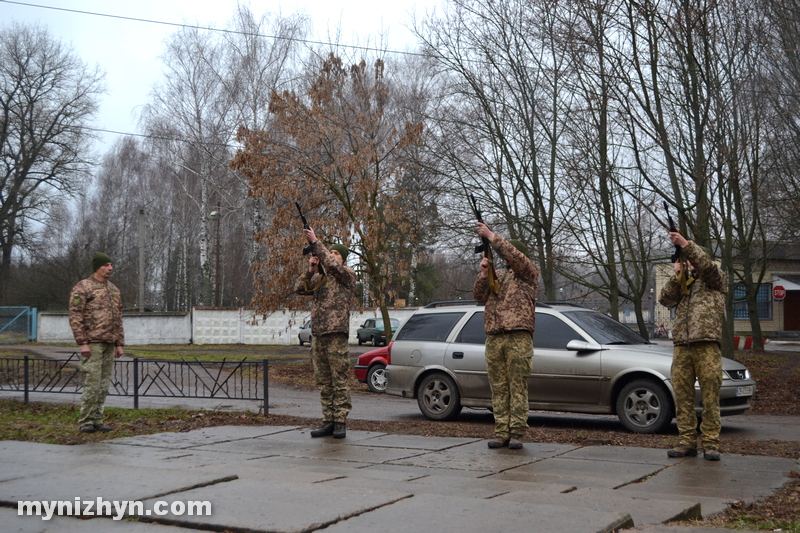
(140,328)
(209,326)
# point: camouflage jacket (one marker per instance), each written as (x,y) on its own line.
(333,300)
(95,312)
(514,307)
(698,315)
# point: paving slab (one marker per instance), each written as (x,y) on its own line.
(109,481)
(416,442)
(201,437)
(12,523)
(643,507)
(621,454)
(477,457)
(581,472)
(448,513)
(280,505)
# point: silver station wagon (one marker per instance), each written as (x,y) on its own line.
(583,362)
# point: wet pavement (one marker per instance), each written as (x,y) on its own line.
(279,479)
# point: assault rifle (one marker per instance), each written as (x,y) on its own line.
(684,277)
(308,249)
(672,228)
(486,249)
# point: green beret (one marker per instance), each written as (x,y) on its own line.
(342,249)
(519,245)
(99,259)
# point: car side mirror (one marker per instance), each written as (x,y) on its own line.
(583,346)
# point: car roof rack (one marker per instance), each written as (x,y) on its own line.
(544,304)
(568,304)
(445,303)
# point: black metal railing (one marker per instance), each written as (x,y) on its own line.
(231,380)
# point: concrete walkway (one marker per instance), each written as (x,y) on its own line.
(279,479)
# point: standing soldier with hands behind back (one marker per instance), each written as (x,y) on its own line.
(333,292)
(509,320)
(697,292)
(95,316)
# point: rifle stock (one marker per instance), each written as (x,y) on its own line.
(486,249)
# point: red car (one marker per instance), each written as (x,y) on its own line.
(371,368)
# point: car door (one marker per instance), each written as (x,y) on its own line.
(562,376)
(466,358)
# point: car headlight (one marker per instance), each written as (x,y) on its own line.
(738,375)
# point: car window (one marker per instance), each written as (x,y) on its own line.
(552,333)
(428,327)
(377,324)
(473,331)
(604,329)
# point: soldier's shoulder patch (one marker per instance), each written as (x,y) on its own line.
(76,298)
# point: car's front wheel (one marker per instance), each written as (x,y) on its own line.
(360,342)
(644,406)
(299,338)
(376,378)
(438,397)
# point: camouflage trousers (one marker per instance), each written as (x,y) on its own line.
(701,361)
(508,364)
(331,357)
(96,370)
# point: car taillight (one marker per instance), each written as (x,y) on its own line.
(389,353)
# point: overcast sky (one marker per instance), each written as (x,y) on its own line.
(128,51)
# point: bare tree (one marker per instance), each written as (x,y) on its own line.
(47,99)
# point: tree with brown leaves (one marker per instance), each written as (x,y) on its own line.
(339,147)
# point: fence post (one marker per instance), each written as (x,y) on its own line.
(25,373)
(135,382)
(266,387)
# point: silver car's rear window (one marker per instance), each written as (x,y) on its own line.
(604,329)
(428,327)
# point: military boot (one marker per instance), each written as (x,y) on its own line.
(515,443)
(497,442)
(711,454)
(339,430)
(325,429)
(682,451)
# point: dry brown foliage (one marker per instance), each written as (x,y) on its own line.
(340,150)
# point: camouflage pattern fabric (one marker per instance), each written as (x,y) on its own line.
(508,363)
(333,300)
(97,373)
(698,315)
(514,307)
(95,313)
(701,360)
(331,357)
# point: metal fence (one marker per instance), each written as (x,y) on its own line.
(17,324)
(231,380)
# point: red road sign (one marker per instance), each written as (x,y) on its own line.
(778,293)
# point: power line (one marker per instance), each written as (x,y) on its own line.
(218,30)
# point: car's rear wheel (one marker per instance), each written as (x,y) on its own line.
(375,341)
(644,406)
(438,397)
(376,378)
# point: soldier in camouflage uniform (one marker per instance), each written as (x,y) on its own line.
(95,316)
(333,294)
(509,320)
(697,292)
